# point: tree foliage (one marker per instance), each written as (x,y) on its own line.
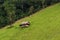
(12,10)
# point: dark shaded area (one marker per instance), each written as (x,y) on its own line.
(1,1)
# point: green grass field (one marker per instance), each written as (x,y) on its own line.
(45,25)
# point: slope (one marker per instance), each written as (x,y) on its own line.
(45,25)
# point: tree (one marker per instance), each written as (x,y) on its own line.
(9,7)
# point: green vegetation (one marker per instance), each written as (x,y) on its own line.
(12,10)
(45,25)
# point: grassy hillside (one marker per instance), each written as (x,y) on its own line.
(45,25)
